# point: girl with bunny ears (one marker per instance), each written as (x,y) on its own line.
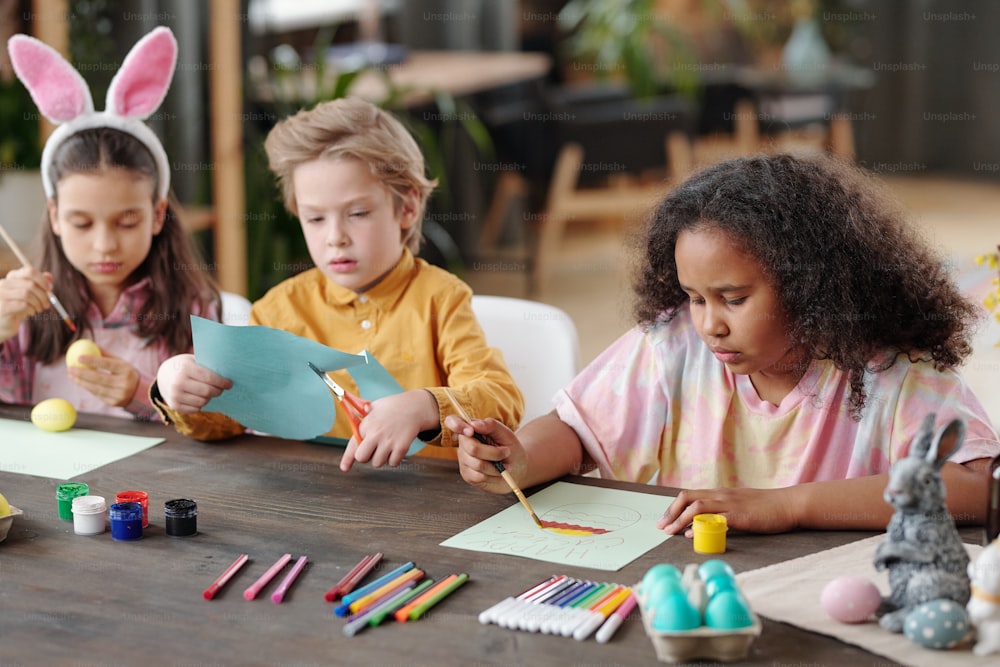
(114,251)
(791,334)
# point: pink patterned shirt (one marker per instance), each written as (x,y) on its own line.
(23,381)
(657,406)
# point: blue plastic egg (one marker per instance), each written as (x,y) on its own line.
(937,624)
(659,581)
(728,610)
(714,568)
(674,613)
(660,571)
(720,583)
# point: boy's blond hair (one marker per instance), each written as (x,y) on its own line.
(352,128)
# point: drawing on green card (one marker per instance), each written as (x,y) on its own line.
(601,528)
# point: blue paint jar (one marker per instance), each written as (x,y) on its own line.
(126,521)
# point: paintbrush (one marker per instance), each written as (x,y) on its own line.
(24,262)
(496,464)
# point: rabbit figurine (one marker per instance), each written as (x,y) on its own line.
(922,550)
(984,606)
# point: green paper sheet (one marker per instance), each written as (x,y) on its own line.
(274,391)
(29,450)
(628,516)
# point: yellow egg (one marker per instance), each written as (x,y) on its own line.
(4,506)
(54,414)
(79,348)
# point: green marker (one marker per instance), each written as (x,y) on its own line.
(376,619)
(417,612)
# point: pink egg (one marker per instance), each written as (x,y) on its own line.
(850,599)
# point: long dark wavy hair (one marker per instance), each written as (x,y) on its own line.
(178,278)
(852,278)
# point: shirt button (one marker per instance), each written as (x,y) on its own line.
(365,324)
(363,299)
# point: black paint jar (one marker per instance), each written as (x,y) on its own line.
(180,517)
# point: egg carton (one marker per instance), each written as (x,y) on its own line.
(705,643)
(6,521)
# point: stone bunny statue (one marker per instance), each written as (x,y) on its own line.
(922,550)
(984,605)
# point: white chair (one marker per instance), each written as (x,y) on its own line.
(539,343)
(235,309)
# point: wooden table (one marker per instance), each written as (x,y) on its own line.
(69,599)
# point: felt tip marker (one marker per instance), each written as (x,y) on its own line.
(351,579)
(615,620)
(383,613)
(224,578)
(381,581)
(279,594)
(599,616)
(251,592)
(376,595)
(358,623)
(424,607)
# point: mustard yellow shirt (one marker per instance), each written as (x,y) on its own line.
(417,321)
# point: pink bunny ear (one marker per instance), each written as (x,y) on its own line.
(141,84)
(59,91)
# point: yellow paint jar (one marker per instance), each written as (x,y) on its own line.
(709,533)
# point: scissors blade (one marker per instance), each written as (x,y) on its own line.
(336,388)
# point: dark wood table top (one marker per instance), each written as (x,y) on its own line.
(70,599)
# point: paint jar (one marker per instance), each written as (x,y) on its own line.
(65,493)
(89,515)
(136,497)
(992,526)
(180,517)
(709,533)
(126,521)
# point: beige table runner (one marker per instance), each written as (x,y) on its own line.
(790,591)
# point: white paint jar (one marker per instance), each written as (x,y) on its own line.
(89,515)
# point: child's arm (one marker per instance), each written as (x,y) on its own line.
(848,504)
(181,390)
(543,449)
(23,293)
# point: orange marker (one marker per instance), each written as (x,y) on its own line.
(403,613)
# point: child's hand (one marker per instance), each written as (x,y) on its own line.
(390,428)
(23,293)
(754,510)
(476,459)
(110,379)
(187,387)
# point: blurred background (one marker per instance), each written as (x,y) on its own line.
(553,125)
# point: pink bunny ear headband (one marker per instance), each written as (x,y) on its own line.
(63,97)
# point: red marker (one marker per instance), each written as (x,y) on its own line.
(224,578)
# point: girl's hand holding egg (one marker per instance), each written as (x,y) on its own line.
(109,378)
(80,348)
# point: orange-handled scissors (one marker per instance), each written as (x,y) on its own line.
(356,408)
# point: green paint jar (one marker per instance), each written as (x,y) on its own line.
(65,493)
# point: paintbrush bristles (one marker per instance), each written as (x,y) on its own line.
(520,496)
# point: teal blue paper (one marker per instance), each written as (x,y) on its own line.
(274,390)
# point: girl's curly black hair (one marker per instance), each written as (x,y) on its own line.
(853,279)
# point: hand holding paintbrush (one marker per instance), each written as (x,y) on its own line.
(27,264)
(496,464)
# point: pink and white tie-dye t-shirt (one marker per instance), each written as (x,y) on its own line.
(657,406)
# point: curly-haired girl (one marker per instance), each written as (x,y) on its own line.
(792,334)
